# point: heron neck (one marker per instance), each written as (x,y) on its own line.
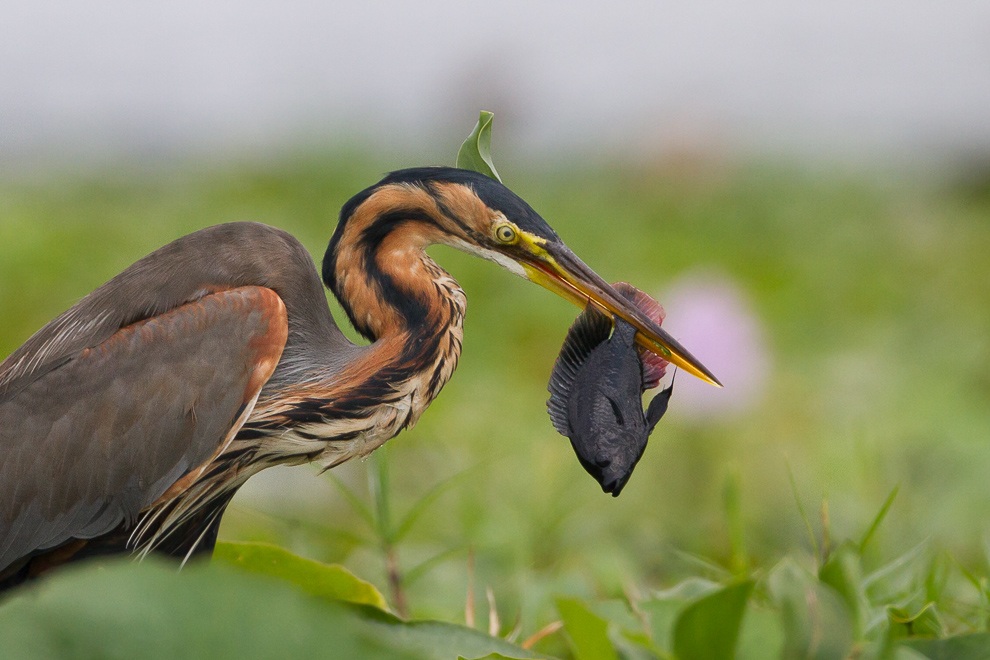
(412,311)
(388,285)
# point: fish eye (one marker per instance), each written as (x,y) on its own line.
(505,233)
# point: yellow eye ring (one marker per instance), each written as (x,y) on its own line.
(505,234)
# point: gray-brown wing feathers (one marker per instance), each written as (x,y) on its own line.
(221,257)
(104,433)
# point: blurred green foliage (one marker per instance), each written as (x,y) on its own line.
(119,609)
(873,293)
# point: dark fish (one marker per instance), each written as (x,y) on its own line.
(596,392)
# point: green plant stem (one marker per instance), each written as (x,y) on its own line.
(395,582)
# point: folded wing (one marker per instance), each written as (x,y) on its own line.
(88,444)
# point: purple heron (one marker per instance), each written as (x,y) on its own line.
(129,421)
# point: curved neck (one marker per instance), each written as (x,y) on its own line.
(390,289)
(398,297)
(377,267)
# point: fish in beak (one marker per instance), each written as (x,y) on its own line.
(554,266)
(596,392)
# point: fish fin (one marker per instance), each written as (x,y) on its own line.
(654,366)
(642,300)
(589,330)
(657,408)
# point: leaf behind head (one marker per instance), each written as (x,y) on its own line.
(476,152)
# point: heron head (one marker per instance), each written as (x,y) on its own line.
(474,213)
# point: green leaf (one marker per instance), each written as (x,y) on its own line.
(937,577)
(979,586)
(325,580)
(662,615)
(817,624)
(709,628)
(963,647)
(901,581)
(490,656)
(761,635)
(588,632)
(688,590)
(476,152)
(119,609)
(879,519)
(619,614)
(632,646)
(842,572)
(703,564)
(904,653)
(924,623)
(437,639)
(665,606)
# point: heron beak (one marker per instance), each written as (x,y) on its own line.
(554,266)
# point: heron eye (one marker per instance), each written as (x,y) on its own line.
(505,234)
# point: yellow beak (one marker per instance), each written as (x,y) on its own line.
(555,267)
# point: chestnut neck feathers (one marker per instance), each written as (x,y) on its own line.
(398,298)
(377,267)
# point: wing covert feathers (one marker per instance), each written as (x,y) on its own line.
(589,330)
(103,435)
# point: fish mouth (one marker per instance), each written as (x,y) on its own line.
(554,266)
(616,484)
(611,479)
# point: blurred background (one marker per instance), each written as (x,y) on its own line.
(805,187)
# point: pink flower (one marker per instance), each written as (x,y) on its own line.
(711,315)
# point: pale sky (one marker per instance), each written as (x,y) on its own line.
(843,75)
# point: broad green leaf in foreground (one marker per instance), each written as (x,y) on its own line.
(476,152)
(313,577)
(761,636)
(122,610)
(437,639)
(709,628)
(632,646)
(588,632)
(665,606)
(625,630)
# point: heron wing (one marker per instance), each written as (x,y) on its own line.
(95,440)
(213,259)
